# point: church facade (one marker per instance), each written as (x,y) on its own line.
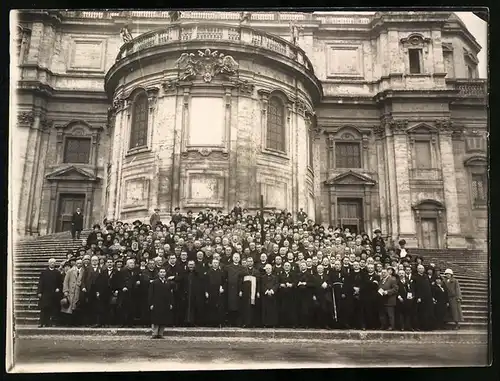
(363,121)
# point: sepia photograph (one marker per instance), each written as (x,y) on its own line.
(247,189)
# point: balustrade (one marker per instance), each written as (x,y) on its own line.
(217,32)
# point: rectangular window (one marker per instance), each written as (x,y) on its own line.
(77,150)
(347,155)
(479,188)
(423,156)
(415,57)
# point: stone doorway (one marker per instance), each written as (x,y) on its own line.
(429,233)
(67,206)
(350,214)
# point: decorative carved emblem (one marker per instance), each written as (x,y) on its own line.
(379,130)
(45,123)
(444,125)
(415,39)
(396,126)
(207,64)
(170,85)
(301,107)
(318,132)
(204,153)
(25,118)
(152,93)
(244,86)
(347,136)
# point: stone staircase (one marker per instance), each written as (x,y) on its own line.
(31,256)
(471,268)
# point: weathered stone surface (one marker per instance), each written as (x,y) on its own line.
(58,59)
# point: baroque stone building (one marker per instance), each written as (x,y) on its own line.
(364,121)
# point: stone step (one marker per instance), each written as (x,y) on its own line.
(469,334)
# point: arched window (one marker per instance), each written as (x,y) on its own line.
(276,125)
(139,129)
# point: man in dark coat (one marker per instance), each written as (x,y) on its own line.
(388,291)
(323,298)
(215,288)
(404,303)
(233,275)
(76,224)
(127,300)
(49,293)
(304,294)
(192,286)
(90,276)
(286,297)
(423,297)
(249,293)
(369,298)
(161,302)
(269,299)
(155,218)
(147,276)
(104,291)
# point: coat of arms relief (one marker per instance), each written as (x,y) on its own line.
(206,64)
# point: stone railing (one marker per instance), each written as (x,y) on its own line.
(469,87)
(225,16)
(216,32)
(425,173)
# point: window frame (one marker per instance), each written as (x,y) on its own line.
(482,174)
(345,143)
(283,127)
(65,146)
(139,96)
(414,153)
(420,60)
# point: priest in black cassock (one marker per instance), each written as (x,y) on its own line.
(323,296)
(215,288)
(49,293)
(233,275)
(336,276)
(286,297)
(191,285)
(269,297)
(423,298)
(304,296)
(161,303)
(249,293)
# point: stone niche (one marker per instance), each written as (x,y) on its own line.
(204,188)
(136,194)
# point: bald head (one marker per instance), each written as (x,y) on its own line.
(52,263)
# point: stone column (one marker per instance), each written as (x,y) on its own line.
(454,235)
(38,176)
(405,217)
(382,182)
(392,181)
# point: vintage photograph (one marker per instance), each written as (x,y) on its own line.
(194,190)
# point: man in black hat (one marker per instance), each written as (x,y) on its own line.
(92,238)
(155,218)
(378,241)
(177,217)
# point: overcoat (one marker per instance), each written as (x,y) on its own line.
(161,297)
(269,301)
(77,221)
(454,293)
(49,282)
(72,285)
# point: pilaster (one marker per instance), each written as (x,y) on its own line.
(382,183)
(454,235)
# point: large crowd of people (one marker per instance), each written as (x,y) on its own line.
(244,270)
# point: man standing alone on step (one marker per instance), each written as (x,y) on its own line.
(76,224)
